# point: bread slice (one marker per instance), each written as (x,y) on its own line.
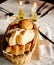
(24,58)
(25,38)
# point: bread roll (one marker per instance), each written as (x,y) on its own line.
(26,24)
(27,46)
(8,49)
(17,50)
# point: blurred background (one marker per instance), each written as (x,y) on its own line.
(50,1)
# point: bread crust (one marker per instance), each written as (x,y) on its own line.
(26,24)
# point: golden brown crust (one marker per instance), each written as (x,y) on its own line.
(8,49)
(18,49)
(14,50)
(28,46)
(26,24)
